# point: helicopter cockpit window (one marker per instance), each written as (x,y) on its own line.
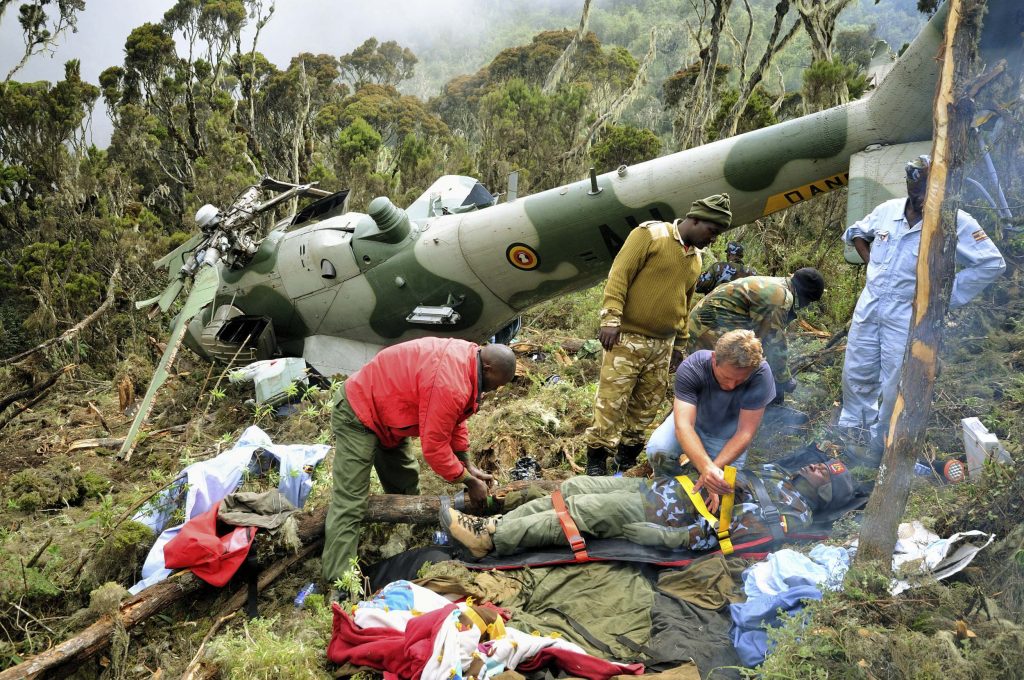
(329,206)
(479,197)
(450,194)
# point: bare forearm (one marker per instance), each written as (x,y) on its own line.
(863,248)
(734,448)
(693,447)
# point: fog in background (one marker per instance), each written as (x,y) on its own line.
(319,26)
(450,37)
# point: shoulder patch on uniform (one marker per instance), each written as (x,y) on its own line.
(979,235)
(658,229)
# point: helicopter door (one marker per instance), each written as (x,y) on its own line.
(316,258)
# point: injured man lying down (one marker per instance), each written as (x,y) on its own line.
(663,512)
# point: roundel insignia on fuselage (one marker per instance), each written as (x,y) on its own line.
(522,256)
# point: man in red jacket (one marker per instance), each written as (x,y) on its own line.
(424,388)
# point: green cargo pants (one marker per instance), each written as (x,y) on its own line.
(600,506)
(356,450)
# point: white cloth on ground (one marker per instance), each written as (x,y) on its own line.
(209,481)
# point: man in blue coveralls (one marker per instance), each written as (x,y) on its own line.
(888,240)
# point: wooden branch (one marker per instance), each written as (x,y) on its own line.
(269,575)
(382,508)
(558,69)
(35,389)
(912,407)
(78,327)
(96,412)
(115,442)
(190,670)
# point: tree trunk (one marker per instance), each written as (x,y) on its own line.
(557,73)
(935,267)
(748,85)
(699,108)
(383,508)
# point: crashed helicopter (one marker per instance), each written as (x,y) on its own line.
(334,286)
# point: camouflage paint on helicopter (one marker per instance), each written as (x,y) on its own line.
(489,264)
(337,287)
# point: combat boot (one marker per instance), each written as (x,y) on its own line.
(625,457)
(472,533)
(597,461)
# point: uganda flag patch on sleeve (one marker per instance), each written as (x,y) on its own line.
(836,467)
(979,235)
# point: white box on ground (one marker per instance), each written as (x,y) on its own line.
(980,445)
(272,377)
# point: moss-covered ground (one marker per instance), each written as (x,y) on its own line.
(68,545)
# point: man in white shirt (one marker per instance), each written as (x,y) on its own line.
(888,240)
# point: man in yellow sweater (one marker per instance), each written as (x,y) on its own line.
(643,327)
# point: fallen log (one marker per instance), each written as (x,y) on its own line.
(34,394)
(385,508)
(36,389)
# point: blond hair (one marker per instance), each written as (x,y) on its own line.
(739,348)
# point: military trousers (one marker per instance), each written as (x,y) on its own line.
(634,378)
(600,507)
(357,450)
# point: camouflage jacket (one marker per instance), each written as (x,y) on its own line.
(763,304)
(721,272)
(667,505)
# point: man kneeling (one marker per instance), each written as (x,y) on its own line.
(658,512)
(720,398)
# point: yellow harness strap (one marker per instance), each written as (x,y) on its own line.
(722,522)
(493,631)
(725,512)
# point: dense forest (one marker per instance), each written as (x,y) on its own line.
(545,89)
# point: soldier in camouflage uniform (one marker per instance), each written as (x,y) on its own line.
(658,512)
(643,326)
(763,304)
(730,269)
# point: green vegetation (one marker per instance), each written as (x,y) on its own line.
(199,112)
(271,648)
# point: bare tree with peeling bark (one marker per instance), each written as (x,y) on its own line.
(819,20)
(557,73)
(696,110)
(777,40)
(935,268)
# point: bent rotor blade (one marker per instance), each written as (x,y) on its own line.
(204,289)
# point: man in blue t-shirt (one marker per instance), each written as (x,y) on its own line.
(720,398)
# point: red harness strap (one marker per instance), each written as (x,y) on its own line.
(576,542)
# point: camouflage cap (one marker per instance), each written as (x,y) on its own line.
(733,248)
(712,209)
